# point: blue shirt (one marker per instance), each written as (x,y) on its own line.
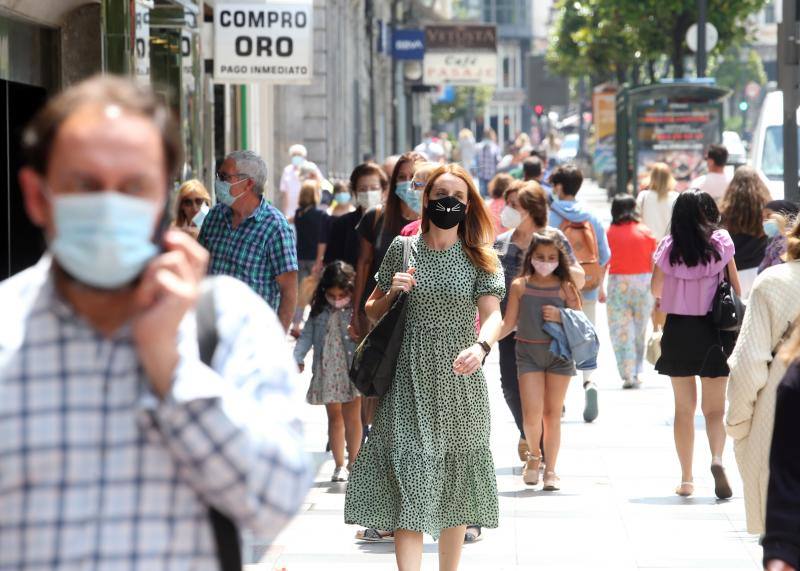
(261,248)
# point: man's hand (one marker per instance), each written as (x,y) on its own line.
(167,290)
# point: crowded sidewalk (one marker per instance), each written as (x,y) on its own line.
(616,509)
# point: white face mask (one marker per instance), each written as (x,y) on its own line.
(370,199)
(510,217)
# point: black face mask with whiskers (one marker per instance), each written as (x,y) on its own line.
(446,212)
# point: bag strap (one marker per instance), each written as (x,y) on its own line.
(406,252)
(226,534)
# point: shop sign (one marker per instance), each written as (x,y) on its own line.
(408,44)
(676,134)
(142,43)
(270,42)
(469,37)
(460,68)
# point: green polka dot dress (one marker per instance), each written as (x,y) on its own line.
(426,465)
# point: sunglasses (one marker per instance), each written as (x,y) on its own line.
(198,202)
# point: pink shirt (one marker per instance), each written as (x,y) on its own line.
(690,291)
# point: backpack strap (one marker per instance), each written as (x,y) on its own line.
(226,534)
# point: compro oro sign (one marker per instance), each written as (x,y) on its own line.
(460,68)
(264,42)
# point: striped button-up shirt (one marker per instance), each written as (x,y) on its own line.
(261,248)
(98,473)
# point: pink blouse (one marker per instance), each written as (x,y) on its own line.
(690,291)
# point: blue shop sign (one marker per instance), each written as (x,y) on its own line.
(408,44)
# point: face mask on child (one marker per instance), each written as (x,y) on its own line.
(544,269)
(771,228)
(338,303)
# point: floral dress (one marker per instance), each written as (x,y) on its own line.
(426,465)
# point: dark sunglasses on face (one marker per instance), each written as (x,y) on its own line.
(198,202)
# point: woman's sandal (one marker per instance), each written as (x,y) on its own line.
(685,490)
(721,486)
(530,472)
(473,534)
(552,483)
(375,535)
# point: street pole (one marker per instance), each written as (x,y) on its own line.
(788,80)
(701,38)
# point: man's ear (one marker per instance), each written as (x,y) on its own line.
(36,202)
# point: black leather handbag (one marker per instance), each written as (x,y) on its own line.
(375,359)
(727,310)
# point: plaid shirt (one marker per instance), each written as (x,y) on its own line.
(261,248)
(97,473)
(488,157)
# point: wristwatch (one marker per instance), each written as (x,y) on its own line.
(486,349)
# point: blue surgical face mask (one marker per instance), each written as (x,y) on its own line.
(771,228)
(222,188)
(104,239)
(298,161)
(412,198)
(342,197)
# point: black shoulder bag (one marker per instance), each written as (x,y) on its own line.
(226,535)
(727,310)
(375,359)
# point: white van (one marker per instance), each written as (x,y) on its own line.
(767,148)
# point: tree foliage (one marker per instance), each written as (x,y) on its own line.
(620,39)
(469,102)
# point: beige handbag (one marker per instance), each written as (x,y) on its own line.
(653,350)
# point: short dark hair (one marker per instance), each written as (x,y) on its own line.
(623,209)
(531,168)
(101,91)
(718,154)
(569,177)
(367,169)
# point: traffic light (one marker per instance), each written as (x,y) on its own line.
(539,110)
(743,106)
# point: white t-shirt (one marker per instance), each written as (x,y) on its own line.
(714,183)
(290,185)
(656,213)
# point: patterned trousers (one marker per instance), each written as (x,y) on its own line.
(629,306)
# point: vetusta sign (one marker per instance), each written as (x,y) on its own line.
(466,37)
(270,41)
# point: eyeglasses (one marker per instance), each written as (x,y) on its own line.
(198,202)
(225,177)
(418,184)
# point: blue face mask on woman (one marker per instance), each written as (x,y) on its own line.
(104,239)
(342,197)
(412,198)
(771,228)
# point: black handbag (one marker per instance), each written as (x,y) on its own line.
(727,310)
(375,359)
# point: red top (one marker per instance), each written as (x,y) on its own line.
(632,248)
(411,228)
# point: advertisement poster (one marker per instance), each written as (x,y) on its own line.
(676,134)
(604,114)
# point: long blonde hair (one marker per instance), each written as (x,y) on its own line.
(189,188)
(477,229)
(661,179)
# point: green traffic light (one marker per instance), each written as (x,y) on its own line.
(743,106)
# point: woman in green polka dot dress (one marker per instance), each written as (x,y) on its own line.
(426,466)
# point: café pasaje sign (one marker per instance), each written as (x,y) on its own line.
(264,42)
(460,68)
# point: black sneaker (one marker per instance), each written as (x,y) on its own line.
(590,410)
